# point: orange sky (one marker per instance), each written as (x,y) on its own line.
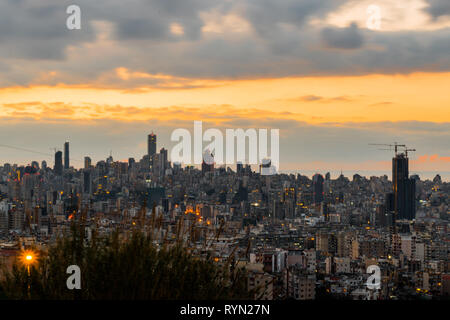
(372,98)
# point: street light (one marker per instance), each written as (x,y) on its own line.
(29,260)
(28,257)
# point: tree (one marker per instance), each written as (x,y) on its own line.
(124,267)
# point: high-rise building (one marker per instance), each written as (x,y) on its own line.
(66,155)
(155,163)
(87,162)
(317,188)
(389,202)
(404,188)
(87,181)
(151,144)
(239,167)
(58,163)
(208,162)
(322,241)
(325,211)
(131,162)
(164,160)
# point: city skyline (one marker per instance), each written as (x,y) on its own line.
(153,148)
(317,71)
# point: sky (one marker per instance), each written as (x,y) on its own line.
(317,70)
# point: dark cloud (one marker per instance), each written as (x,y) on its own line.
(279,43)
(139,19)
(267,15)
(32,30)
(141,28)
(343,38)
(438,8)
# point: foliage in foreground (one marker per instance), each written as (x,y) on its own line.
(113,268)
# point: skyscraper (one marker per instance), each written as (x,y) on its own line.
(131,162)
(151,144)
(163,159)
(87,162)
(317,188)
(58,163)
(404,188)
(87,181)
(239,167)
(66,155)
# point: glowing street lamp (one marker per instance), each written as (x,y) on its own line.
(28,257)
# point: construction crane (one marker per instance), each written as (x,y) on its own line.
(395,145)
(406,151)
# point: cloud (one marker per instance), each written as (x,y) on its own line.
(59,111)
(343,38)
(267,16)
(31,30)
(316,98)
(438,8)
(394,15)
(431,159)
(310,98)
(250,39)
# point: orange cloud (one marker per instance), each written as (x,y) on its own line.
(217,114)
(434,158)
(342,99)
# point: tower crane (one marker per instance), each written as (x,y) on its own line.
(395,145)
(406,151)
